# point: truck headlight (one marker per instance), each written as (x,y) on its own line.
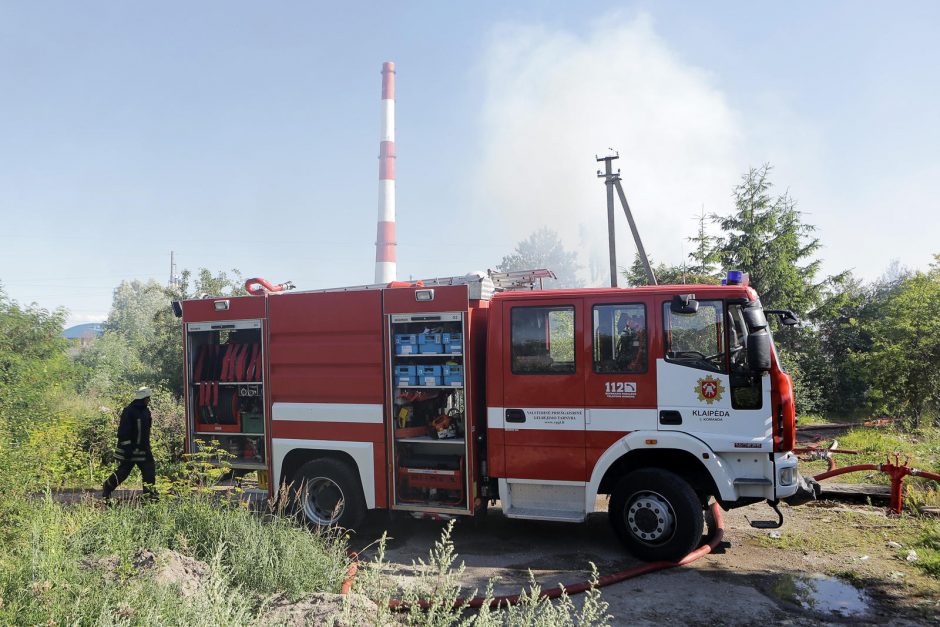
(787,476)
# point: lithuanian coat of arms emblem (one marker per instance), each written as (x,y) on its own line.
(709,389)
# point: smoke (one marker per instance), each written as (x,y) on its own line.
(554,100)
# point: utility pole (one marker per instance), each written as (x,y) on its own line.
(611,238)
(612,180)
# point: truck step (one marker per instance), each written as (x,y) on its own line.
(754,481)
(531,513)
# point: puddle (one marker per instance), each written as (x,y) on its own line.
(822,594)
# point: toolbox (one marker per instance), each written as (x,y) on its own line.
(453,375)
(427,473)
(453,343)
(406,344)
(252,422)
(406,375)
(430,343)
(429,375)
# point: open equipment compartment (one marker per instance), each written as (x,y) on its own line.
(226,389)
(429,411)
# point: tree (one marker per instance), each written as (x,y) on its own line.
(706,253)
(133,307)
(765,237)
(543,249)
(842,322)
(33,366)
(665,274)
(119,360)
(142,343)
(166,351)
(900,363)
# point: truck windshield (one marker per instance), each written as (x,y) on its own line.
(696,339)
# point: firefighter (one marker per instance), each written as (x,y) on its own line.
(631,344)
(133,447)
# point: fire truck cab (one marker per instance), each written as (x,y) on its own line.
(441,396)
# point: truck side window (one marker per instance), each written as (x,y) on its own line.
(746,391)
(620,339)
(543,340)
(696,340)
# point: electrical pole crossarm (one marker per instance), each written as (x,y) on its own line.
(612,179)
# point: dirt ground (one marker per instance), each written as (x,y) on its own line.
(830,564)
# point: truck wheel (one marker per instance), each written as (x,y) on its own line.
(656,514)
(328,493)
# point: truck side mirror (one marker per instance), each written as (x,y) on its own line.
(758,351)
(683,304)
(787,317)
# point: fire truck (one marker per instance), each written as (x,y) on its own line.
(441,396)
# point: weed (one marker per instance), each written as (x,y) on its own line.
(436,586)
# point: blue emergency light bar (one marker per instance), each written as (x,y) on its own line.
(736,277)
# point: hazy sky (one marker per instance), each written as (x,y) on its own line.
(244,134)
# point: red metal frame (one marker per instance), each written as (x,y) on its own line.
(896,470)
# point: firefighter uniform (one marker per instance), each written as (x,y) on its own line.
(133,447)
(631,345)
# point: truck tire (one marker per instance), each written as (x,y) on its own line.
(329,494)
(656,514)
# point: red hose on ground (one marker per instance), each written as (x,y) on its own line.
(350,574)
(576,588)
(847,469)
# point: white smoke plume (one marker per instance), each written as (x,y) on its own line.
(554,100)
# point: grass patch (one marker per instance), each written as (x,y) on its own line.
(929,550)
(875,444)
(251,557)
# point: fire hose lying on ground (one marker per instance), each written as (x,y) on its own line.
(574,588)
(896,470)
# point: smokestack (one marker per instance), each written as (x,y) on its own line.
(385,267)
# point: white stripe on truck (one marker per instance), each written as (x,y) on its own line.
(327,412)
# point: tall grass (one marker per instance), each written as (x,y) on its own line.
(251,558)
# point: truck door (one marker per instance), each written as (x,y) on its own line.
(543,389)
(705,386)
(620,372)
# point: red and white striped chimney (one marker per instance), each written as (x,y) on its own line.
(385,266)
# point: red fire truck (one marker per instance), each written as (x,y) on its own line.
(440,396)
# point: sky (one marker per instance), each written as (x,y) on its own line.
(244,135)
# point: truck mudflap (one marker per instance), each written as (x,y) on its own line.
(807,490)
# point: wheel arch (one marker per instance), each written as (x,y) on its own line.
(682,454)
(290,455)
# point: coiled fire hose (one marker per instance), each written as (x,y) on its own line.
(575,588)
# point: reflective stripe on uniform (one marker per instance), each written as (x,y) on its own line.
(135,456)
